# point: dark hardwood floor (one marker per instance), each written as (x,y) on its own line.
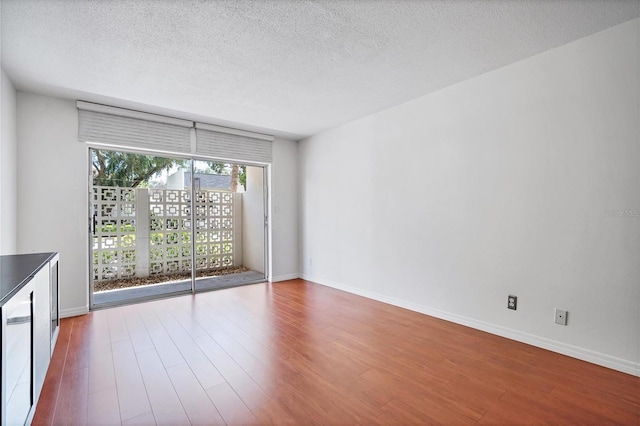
(300,353)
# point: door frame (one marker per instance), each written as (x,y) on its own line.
(266,168)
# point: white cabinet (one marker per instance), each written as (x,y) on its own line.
(29,327)
(17,316)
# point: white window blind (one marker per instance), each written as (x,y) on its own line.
(232,144)
(125,128)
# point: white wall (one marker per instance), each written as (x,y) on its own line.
(284,211)
(52,187)
(513,180)
(8,161)
(253,220)
(53,207)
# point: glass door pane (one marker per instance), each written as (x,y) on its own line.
(141,227)
(229,218)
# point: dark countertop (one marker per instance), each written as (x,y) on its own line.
(17,269)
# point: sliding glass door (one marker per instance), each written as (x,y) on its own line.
(143,240)
(141,226)
(229,218)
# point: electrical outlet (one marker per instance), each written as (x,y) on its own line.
(561,317)
(512,302)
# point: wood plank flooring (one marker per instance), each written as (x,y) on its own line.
(300,353)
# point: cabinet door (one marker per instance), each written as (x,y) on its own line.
(41,328)
(17,367)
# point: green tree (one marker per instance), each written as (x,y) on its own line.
(113,168)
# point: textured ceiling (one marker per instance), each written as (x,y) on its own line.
(292,67)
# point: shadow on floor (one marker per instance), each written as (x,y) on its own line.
(123,295)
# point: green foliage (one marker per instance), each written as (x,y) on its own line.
(217,168)
(242,176)
(225,169)
(157,238)
(127,170)
(112,228)
(113,168)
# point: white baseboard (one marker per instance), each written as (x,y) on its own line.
(593,357)
(285,277)
(74,312)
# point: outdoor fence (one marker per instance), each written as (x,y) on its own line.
(138,232)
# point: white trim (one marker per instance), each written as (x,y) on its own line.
(74,312)
(619,364)
(230,131)
(121,112)
(138,150)
(285,277)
